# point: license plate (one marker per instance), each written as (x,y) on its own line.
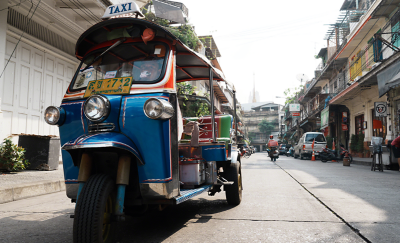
(109,86)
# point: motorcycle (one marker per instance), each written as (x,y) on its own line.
(290,152)
(273,154)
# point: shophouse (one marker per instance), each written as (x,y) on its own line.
(357,74)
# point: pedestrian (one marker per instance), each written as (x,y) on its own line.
(395,146)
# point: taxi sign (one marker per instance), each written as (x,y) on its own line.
(122,9)
(109,86)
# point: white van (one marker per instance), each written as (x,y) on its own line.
(303,147)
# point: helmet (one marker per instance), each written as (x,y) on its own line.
(271,136)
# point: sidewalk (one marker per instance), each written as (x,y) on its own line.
(30,183)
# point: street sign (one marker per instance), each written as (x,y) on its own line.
(344,127)
(324,117)
(296,114)
(294,107)
(380,109)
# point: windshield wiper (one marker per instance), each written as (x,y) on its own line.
(108,49)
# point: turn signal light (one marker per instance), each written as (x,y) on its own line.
(304,147)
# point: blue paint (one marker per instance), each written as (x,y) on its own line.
(119,205)
(214,152)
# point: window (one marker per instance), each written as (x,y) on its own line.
(359,123)
(319,137)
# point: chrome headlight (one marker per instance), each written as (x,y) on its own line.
(97,108)
(158,109)
(54,115)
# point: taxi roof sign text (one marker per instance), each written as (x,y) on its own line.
(120,9)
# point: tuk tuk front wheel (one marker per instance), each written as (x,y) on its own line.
(233,192)
(94,209)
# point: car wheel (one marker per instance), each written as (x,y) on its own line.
(301,156)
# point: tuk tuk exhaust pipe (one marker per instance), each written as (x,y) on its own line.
(124,165)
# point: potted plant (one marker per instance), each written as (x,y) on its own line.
(353,143)
(12,157)
(360,145)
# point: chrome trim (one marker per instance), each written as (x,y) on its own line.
(106,104)
(101,127)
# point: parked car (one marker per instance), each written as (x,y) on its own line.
(303,147)
(282,149)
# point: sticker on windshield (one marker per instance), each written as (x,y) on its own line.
(110,74)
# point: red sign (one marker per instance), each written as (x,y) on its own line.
(296,114)
(344,127)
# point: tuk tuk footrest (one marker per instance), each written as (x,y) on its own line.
(187,194)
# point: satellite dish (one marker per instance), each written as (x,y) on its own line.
(302,77)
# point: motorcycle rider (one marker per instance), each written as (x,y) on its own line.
(272,146)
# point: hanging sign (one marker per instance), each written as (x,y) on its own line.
(344,127)
(344,117)
(294,107)
(325,117)
(296,114)
(380,109)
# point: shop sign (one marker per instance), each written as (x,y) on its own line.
(294,107)
(324,117)
(296,114)
(318,123)
(344,127)
(344,117)
(380,109)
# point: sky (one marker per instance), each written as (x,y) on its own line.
(265,42)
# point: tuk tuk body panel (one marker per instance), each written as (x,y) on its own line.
(156,147)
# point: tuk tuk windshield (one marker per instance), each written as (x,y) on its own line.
(139,61)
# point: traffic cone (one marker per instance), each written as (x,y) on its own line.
(313,156)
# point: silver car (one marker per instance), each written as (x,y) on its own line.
(304,147)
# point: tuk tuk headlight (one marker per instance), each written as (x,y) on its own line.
(54,115)
(158,109)
(96,108)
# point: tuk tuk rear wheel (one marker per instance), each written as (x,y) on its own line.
(94,209)
(233,192)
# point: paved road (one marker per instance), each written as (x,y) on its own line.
(290,200)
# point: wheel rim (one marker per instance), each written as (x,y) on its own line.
(107,218)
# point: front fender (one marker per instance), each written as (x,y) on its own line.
(103,140)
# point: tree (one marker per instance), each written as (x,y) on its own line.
(266,127)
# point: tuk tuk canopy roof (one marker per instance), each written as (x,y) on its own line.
(190,65)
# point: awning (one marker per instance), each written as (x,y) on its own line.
(389,78)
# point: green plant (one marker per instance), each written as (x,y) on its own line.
(266,127)
(353,141)
(360,143)
(12,157)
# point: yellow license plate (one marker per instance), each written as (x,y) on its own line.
(109,86)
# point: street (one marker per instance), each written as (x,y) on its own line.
(289,200)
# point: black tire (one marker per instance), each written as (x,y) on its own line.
(301,156)
(233,192)
(96,200)
(350,158)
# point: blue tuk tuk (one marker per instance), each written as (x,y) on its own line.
(124,142)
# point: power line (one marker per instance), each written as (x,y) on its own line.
(76,12)
(15,5)
(29,22)
(83,9)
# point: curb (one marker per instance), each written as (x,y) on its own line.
(22,191)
